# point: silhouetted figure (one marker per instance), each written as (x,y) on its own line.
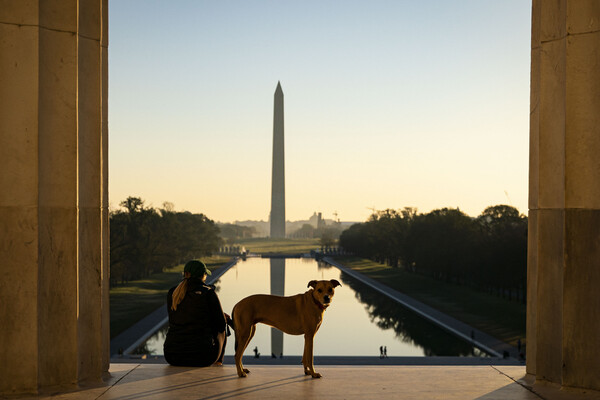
(384,351)
(380,351)
(519,345)
(256,353)
(197,324)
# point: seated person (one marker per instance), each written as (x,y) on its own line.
(197,324)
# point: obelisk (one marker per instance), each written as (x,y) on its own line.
(278,174)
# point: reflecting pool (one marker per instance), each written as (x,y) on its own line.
(359,321)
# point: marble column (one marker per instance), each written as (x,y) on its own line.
(563,321)
(277,216)
(53,202)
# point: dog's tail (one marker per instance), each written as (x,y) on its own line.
(232,325)
(230,321)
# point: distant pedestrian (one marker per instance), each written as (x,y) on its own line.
(384,351)
(256,353)
(380,351)
(519,344)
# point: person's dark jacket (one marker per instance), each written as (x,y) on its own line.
(199,318)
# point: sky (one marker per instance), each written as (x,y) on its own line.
(388,104)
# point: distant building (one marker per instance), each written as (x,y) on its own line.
(316,220)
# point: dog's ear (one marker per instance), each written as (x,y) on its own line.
(312,284)
(335,283)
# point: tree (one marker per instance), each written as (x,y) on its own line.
(144,240)
(489,251)
(307,231)
(504,249)
(441,243)
(327,238)
(231,232)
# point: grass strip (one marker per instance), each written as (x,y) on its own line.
(279,246)
(491,314)
(131,302)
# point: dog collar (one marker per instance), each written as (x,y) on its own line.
(321,306)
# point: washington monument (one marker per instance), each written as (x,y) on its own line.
(278,175)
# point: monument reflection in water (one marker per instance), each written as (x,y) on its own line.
(358,322)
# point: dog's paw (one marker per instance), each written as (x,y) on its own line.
(316,375)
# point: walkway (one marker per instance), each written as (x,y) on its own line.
(156,381)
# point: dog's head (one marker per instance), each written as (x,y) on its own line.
(323,291)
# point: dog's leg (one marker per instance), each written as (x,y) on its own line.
(307,357)
(252,332)
(238,350)
(242,338)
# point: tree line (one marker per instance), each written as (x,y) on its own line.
(231,233)
(489,251)
(144,240)
(327,234)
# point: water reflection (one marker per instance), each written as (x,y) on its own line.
(358,322)
(277,266)
(153,346)
(408,326)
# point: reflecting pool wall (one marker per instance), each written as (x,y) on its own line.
(359,321)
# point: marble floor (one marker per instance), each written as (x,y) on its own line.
(129,381)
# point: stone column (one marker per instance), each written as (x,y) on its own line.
(563,322)
(105,250)
(53,288)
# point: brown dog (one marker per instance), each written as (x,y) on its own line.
(294,315)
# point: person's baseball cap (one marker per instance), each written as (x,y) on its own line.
(196,268)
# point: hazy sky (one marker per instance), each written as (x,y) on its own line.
(387,104)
